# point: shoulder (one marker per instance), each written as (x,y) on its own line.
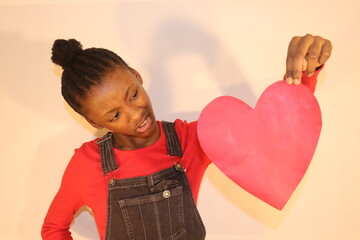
(186,130)
(188,136)
(84,163)
(185,127)
(85,156)
(89,148)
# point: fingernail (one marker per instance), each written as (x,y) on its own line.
(296,81)
(289,80)
(309,74)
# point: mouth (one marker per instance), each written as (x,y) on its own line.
(145,124)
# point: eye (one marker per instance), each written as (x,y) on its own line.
(116,116)
(134,95)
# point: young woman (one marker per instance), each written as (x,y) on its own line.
(141,180)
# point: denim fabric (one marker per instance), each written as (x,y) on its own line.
(105,145)
(159,206)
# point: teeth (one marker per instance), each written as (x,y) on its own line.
(143,123)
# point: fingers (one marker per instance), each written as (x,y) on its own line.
(308,51)
(289,64)
(326,52)
(313,55)
(297,51)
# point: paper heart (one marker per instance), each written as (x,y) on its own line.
(265,150)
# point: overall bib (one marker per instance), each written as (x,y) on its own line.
(158,206)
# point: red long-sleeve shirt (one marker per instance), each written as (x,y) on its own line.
(84,183)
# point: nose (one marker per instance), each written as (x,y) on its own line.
(134,114)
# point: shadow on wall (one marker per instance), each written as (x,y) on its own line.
(24,76)
(174,39)
(27,82)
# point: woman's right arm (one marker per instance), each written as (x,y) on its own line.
(66,203)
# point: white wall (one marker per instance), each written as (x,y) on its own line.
(196,50)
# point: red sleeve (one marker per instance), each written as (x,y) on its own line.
(189,139)
(63,207)
(311,81)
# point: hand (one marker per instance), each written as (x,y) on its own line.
(306,53)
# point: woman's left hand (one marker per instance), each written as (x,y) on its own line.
(306,54)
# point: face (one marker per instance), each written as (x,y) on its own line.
(121,105)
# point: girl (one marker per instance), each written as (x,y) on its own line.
(141,180)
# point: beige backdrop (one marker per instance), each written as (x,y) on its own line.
(188,52)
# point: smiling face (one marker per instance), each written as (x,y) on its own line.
(121,104)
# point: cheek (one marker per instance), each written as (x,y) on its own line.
(121,125)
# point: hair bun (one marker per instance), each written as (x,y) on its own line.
(63,51)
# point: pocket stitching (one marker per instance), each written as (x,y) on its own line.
(153,199)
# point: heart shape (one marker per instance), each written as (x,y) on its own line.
(265,150)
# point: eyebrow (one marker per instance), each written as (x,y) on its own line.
(126,96)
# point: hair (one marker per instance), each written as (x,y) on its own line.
(83,69)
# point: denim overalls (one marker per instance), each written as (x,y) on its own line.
(159,206)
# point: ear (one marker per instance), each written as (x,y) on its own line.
(137,75)
(94,124)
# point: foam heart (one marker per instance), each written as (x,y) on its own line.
(265,150)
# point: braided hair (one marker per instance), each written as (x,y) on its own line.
(83,69)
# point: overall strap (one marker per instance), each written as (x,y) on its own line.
(172,139)
(107,157)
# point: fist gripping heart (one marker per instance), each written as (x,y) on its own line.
(265,150)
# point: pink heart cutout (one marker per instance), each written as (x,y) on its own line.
(265,150)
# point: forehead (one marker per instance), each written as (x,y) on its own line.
(117,75)
(111,91)
(118,79)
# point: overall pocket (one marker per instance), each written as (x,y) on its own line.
(156,216)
